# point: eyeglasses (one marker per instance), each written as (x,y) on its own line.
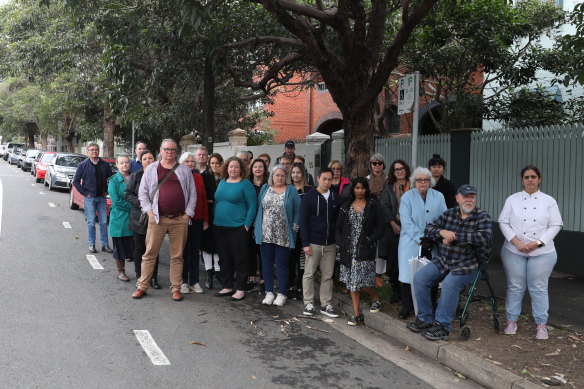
(336,168)
(375,163)
(422,180)
(169,150)
(534,177)
(400,169)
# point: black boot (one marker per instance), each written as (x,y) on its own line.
(154,283)
(209,282)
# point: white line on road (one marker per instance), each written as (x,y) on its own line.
(52,205)
(66,225)
(94,262)
(41,192)
(32,185)
(1,196)
(151,348)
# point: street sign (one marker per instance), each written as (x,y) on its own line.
(406,95)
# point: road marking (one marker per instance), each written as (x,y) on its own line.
(52,205)
(66,225)
(151,348)
(1,196)
(41,192)
(94,262)
(32,184)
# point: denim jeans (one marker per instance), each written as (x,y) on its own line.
(90,205)
(532,273)
(271,253)
(452,284)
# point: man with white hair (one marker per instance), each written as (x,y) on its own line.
(244,156)
(464,237)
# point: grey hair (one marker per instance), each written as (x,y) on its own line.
(423,171)
(202,148)
(122,156)
(377,157)
(242,152)
(185,155)
(91,144)
(168,140)
(278,167)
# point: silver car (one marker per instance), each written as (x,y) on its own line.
(62,169)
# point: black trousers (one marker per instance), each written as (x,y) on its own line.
(296,266)
(139,250)
(392,262)
(233,247)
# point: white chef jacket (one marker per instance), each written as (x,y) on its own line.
(530,217)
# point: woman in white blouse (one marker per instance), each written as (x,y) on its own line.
(530,220)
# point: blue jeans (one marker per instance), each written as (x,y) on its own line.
(532,273)
(271,253)
(90,205)
(452,284)
(190,273)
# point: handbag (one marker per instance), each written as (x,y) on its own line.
(144,215)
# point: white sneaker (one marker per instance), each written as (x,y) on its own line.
(184,289)
(196,288)
(280,300)
(269,299)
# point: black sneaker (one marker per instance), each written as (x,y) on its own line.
(298,296)
(355,320)
(107,249)
(261,289)
(329,311)
(92,249)
(375,306)
(250,286)
(418,325)
(437,332)
(308,310)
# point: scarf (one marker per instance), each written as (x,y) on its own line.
(399,191)
(376,183)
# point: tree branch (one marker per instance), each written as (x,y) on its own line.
(265,39)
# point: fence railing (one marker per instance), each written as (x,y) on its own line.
(401,148)
(558,151)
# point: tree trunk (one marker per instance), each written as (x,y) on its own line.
(209,104)
(359,128)
(109,125)
(70,132)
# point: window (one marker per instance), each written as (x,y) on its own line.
(392,121)
(321,87)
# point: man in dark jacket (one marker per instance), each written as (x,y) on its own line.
(318,217)
(91,181)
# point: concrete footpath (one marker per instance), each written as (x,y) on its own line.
(565,311)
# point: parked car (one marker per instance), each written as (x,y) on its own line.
(42,165)
(14,156)
(35,161)
(61,170)
(28,159)
(9,147)
(76,198)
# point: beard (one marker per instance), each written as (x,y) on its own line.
(467,208)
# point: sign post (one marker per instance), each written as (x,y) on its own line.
(408,101)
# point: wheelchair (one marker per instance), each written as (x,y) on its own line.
(470,291)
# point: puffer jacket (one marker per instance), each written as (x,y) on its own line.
(131,196)
(372,229)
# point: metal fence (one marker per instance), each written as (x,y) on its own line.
(558,151)
(401,148)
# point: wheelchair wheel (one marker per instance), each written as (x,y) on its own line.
(465,333)
(496,323)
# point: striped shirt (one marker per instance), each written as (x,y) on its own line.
(476,229)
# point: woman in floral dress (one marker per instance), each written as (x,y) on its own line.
(359,227)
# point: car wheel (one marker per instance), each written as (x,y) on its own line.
(38,180)
(72,204)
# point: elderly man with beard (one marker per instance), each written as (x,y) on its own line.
(464,236)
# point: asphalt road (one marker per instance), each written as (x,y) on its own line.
(64,324)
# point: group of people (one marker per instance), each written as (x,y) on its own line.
(251,223)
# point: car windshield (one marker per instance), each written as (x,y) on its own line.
(47,158)
(69,160)
(31,153)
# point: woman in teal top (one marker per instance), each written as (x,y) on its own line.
(235,211)
(120,216)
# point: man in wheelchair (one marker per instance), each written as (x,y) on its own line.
(463,235)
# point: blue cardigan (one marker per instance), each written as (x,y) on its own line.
(292,205)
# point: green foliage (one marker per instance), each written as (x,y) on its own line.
(572,45)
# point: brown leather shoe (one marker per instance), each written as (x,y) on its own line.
(122,276)
(177,295)
(138,293)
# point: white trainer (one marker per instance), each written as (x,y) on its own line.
(269,299)
(196,288)
(280,300)
(184,289)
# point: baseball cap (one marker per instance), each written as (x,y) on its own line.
(289,144)
(466,189)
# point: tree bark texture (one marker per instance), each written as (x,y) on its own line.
(70,132)
(109,126)
(209,104)
(358,128)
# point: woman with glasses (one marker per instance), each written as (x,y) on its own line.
(258,176)
(377,180)
(530,220)
(419,206)
(120,216)
(398,183)
(209,247)
(341,185)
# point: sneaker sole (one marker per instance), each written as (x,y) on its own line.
(435,337)
(374,310)
(329,314)
(351,323)
(308,313)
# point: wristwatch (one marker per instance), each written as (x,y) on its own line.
(539,243)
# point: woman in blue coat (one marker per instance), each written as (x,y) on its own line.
(276,226)
(419,206)
(120,216)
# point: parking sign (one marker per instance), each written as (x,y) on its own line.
(406,95)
